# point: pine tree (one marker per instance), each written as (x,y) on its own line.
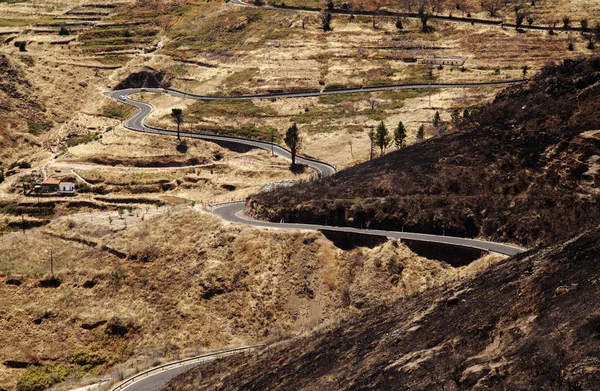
(382,137)
(400,135)
(293,141)
(421,133)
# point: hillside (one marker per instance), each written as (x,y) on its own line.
(133,288)
(22,115)
(524,169)
(530,322)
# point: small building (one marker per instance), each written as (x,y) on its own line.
(66,187)
(50,185)
(444,60)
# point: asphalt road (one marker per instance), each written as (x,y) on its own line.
(409,15)
(159,380)
(324,169)
(234,212)
(144,109)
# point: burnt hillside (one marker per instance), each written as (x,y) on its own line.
(531,322)
(525,169)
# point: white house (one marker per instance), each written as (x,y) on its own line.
(65,187)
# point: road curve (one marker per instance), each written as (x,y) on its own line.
(137,122)
(234,212)
(156,378)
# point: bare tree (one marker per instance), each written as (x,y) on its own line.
(374,103)
(437,6)
(409,4)
(491,6)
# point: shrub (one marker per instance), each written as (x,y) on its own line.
(38,378)
(64,31)
(36,128)
(87,359)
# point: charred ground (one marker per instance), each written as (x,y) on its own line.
(530,322)
(523,169)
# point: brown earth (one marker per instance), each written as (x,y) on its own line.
(529,322)
(525,169)
(19,107)
(133,288)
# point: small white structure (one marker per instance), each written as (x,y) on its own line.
(444,60)
(65,187)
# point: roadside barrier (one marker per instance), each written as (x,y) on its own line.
(175,364)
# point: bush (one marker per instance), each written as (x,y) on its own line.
(86,359)
(38,378)
(36,128)
(64,31)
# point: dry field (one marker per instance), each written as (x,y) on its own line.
(172,281)
(181,282)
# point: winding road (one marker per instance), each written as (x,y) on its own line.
(234,211)
(156,378)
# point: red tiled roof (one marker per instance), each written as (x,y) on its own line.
(51,181)
(67,183)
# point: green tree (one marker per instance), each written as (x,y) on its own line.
(530,20)
(22,46)
(399,24)
(421,133)
(1,174)
(519,17)
(330,5)
(585,25)
(293,141)
(466,115)
(436,119)
(64,31)
(566,23)
(382,137)
(424,16)
(400,135)
(326,21)
(178,117)
(525,69)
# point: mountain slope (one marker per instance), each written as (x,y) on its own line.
(530,322)
(525,169)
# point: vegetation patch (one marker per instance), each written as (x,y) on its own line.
(39,127)
(228,108)
(39,378)
(117,110)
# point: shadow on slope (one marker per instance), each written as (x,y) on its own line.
(530,322)
(525,169)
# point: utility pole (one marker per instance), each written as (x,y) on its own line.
(272,141)
(51,264)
